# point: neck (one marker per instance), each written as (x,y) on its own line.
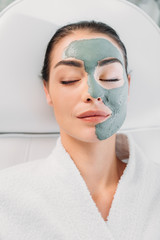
(97,162)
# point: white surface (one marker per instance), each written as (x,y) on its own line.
(15,149)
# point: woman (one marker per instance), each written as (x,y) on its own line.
(85,80)
(94,184)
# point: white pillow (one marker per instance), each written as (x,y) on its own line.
(25,29)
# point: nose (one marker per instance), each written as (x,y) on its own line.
(86,96)
(89,99)
(94,89)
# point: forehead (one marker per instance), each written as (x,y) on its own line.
(58,52)
(92,50)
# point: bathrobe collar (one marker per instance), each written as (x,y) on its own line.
(125,209)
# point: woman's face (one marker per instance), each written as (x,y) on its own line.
(88,86)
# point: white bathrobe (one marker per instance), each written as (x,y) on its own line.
(48,199)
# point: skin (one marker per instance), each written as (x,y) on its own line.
(96,159)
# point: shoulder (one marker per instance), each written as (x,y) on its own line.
(143,166)
(154,171)
(37,174)
(28,174)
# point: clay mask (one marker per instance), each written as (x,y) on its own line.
(91,51)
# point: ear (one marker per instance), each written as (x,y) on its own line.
(129,81)
(46,89)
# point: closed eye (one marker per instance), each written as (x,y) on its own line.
(69,82)
(110,80)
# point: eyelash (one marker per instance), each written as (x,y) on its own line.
(104,80)
(110,80)
(69,82)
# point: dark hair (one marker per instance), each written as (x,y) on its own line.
(92,26)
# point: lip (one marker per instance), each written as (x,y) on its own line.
(94,116)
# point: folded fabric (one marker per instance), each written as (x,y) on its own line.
(48,199)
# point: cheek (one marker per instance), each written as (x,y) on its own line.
(64,101)
(116,98)
(67,94)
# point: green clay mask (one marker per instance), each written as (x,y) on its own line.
(92,52)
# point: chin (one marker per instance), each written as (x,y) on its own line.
(90,139)
(87,137)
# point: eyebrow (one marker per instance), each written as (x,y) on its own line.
(108,61)
(72,63)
